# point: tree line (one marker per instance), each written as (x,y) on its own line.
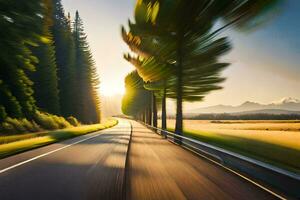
(47,69)
(176,48)
(254,116)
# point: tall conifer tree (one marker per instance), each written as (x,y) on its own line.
(19,29)
(87,81)
(45,77)
(65,59)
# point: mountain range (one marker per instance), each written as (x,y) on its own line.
(286,105)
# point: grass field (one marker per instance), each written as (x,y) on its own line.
(274,142)
(14,144)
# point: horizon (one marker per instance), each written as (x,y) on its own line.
(193,99)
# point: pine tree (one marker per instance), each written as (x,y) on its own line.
(65,59)
(19,29)
(45,77)
(87,81)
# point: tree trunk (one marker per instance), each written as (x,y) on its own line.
(164,112)
(149,115)
(179,118)
(144,116)
(179,126)
(154,110)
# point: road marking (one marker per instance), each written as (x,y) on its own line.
(231,170)
(45,154)
(238,174)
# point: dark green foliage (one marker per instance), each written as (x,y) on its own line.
(87,81)
(21,125)
(178,48)
(19,29)
(65,59)
(3,114)
(50,122)
(137,100)
(45,76)
(78,78)
(41,121)
(37,59)
(189,63)
(73,121)
(189,47)
(13,126)
(152,69)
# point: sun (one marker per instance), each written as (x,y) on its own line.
(111,90)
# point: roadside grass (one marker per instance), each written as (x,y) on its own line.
(10,145)
(268,151)
(14,138)
(284,126)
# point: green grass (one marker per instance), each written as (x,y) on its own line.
(14,144)
(41,121)
(278,155)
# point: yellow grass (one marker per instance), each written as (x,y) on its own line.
(50,137)
(275,142)
(22,145)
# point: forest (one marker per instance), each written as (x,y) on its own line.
(48,78)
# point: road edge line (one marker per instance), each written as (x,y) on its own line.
(236,173)
(248,179)
(48,153)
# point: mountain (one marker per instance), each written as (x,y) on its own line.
(283,106)
(287,100)
(269,111)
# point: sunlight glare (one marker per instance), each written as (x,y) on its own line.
(111,90)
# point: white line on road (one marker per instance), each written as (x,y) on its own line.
(229,169)
(238,174)
(45,154)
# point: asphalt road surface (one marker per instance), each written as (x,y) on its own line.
(108,165)
(91,169)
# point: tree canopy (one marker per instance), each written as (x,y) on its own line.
(47,68)
(177,44)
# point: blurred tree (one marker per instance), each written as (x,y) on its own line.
(137,100)
(161,48)
(45,77)
(197,45)
(185,34)
(19,29)
(153,78)
(39,43)
(87,81)
(154,72)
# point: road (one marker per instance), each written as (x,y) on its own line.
(105,165)
(91,169)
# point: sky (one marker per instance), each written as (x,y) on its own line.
(102,21)
(265,63)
